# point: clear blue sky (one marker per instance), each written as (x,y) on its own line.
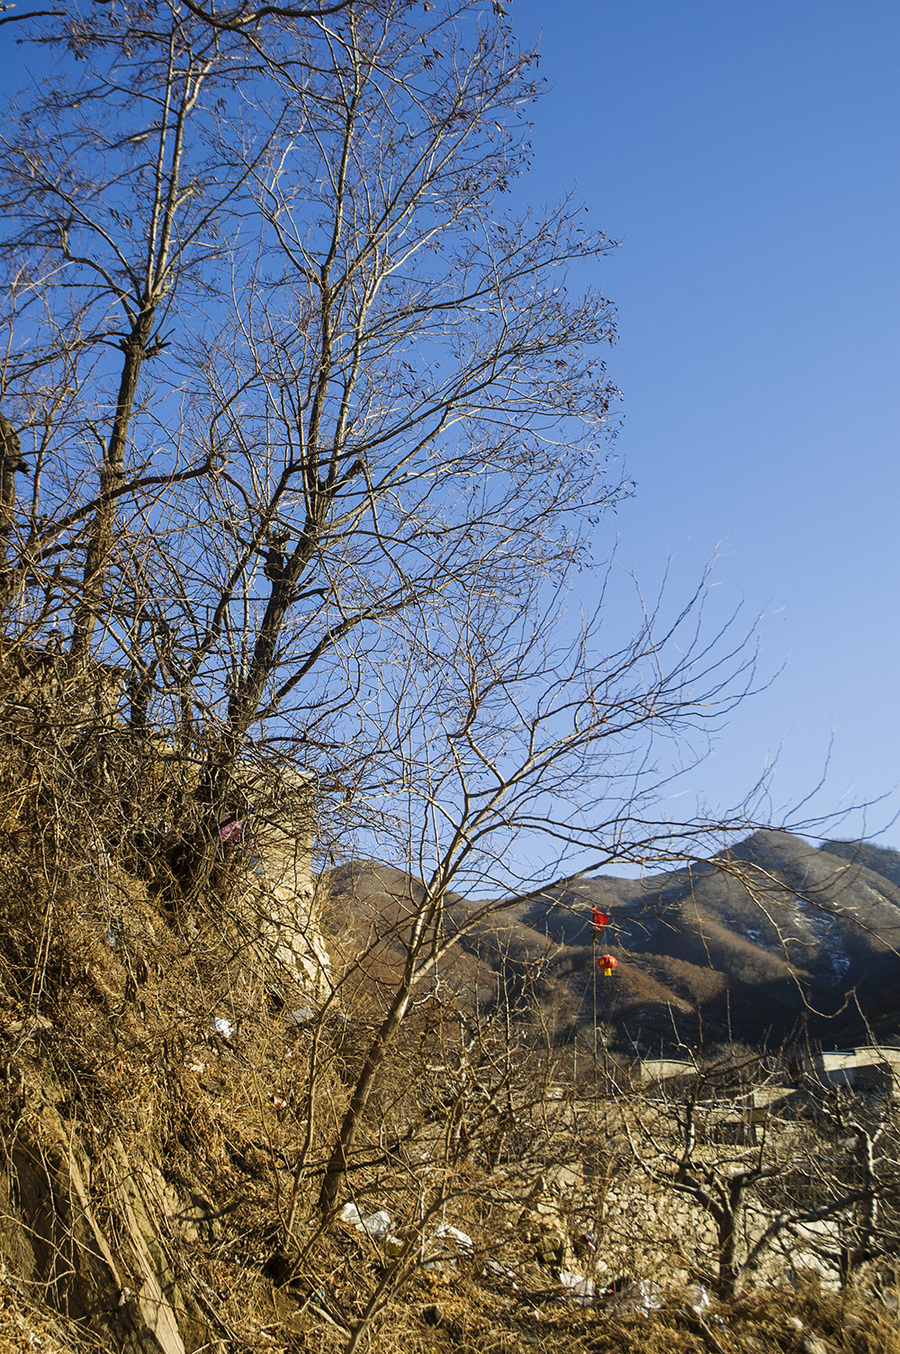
(746,156)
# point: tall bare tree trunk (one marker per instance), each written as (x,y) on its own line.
(101,536)
(339,1160)
(10,462)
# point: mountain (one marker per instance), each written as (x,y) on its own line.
(774,939)
(769,937)
(880,859)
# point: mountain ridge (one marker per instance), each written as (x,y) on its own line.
(770,941)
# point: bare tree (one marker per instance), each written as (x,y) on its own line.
(691,1142)
(384,399)
(501,753)
(327,496)
(839,1201)
(406,408)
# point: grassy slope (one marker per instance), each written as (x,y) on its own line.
(141,1144)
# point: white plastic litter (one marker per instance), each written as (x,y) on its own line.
(301,1017)
(463,1243)
(580,1287)
(222,1026)
(377,1225)
(699,1301)
(638,1299)
(501,1272)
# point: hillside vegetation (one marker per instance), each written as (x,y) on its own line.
(173,1079)
(305,445)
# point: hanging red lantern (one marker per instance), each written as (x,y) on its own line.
(606,963)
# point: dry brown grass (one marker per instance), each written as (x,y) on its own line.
(108,998)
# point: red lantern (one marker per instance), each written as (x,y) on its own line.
(606,963)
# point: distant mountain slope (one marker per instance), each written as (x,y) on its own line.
(772,936)
(882,860)
(771,933)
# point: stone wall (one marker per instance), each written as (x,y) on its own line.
(281,890)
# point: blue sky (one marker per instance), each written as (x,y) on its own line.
(746,156)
